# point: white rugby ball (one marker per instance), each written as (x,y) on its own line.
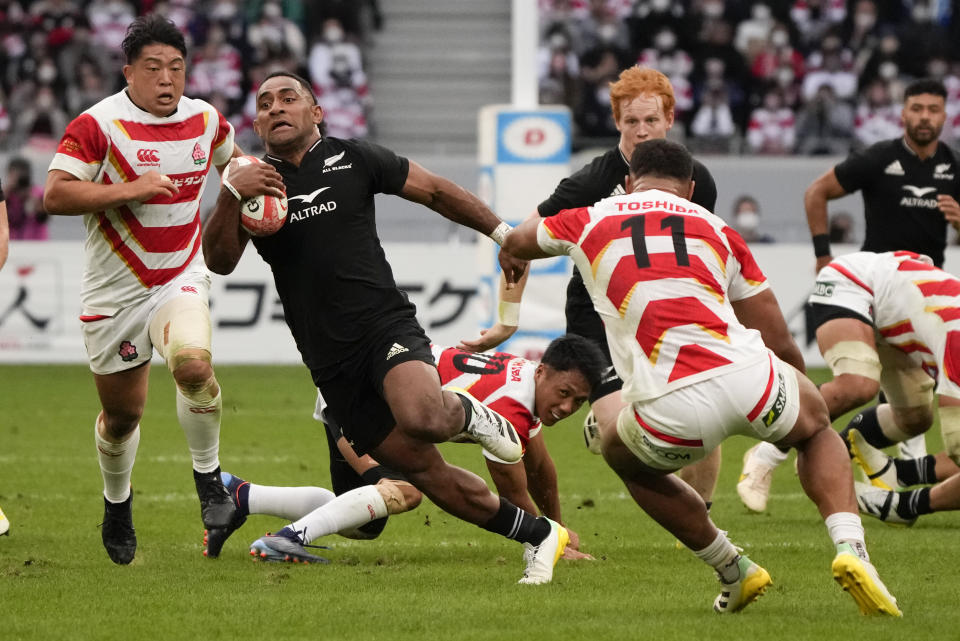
(261,215)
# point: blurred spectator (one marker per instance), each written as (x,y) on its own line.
(861,33)
(884,62)
(5,120)
(713,74)
(41,124)
(753,32)
(877,117)
(601,27)
(216,66)
(649,16)
(772,126)
(667,57)
(775,53)
(28,219)
(712,128)
(825,124)
(598,68)
(922,36)
(841,228)
(815,18)
(558,70)
(108,23)
(358,17)
(274,36)
(336,71)
(89,87)
(746,220)
(829,66)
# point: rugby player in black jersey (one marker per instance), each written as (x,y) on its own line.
(910,187)
(642,102)
(356,331)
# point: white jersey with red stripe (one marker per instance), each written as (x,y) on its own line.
(662,273)
(136,247)
(914,307)
(503,382)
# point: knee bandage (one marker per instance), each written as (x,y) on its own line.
(393,496)
(853,357)
(950,430)
(203,394)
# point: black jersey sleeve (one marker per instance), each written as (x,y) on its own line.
(387,171)
(580,189)
(860,168)
(704,187)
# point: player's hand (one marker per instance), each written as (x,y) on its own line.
(513,267)
(575,555)
(572,551)
(823,261)
(489,338)
(950,208)
(255,178)
(153,184)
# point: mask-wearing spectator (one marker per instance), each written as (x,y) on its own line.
(25,213)
(746,220)
(877,117)
(771,129)
(825,124)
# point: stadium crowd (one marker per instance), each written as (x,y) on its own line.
(772,77)
(59,57)
(769,77)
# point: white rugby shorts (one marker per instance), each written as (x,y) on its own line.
(127,339)
(683,426)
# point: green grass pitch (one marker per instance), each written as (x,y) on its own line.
(429,576)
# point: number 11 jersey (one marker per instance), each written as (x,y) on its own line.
(662,273)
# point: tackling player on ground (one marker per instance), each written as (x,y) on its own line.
(367,492)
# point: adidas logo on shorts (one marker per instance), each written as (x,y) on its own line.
(396,349)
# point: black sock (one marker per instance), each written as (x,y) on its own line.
(914,503)
(513,523)
(916,471)
(709,505)
(467,410)
(868,425)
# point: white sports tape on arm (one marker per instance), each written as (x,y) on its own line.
(500,233)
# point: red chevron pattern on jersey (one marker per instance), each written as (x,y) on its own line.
(503,382)
(915,307)
(662,272)
(140,245)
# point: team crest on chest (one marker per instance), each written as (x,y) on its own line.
(199,156)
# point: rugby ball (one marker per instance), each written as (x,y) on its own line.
(261,215)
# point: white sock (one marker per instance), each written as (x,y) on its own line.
(116,463)
(846,527)
(286,502)
(201,426)
(770,454)
(888,425)
(722,556)
(349,510)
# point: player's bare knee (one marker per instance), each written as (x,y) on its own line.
(116,425)
(193,374)
(399,496)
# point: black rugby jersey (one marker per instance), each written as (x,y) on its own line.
(605,176)
(900,196)
(329,267)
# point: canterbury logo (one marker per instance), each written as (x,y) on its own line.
(148,155)
(919,192)
(396,349)
(333,160)
(308,198)
(894,169)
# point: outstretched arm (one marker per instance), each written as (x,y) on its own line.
(522,240)
(820,191)
(455,203)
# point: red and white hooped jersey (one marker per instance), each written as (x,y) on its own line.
(662,273)
(138,246)
(914,307)
(503,382)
